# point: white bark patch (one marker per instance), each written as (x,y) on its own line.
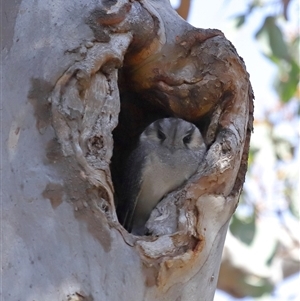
(160,247)
(13,139)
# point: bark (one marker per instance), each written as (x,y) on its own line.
(82,80)
(184,8)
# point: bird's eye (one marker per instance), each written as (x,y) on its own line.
(187,139)
(161,135)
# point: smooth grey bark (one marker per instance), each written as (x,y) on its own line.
(48,254)
(61,238)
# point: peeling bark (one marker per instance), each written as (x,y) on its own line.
(130,63)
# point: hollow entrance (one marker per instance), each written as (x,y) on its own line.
(137,112)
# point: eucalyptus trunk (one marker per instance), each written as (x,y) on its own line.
(81,80)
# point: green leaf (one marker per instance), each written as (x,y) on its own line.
(243,228)
(271,33)
(288,82)
(252,154)
(240,20)
(259,286)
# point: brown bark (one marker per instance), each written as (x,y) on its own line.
(184,8)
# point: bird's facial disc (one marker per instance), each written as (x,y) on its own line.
(173,133)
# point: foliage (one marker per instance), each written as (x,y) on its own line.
(271,197)
(281,50)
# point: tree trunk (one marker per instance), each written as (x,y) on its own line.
(69,67)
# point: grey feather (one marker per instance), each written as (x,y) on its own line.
(168,154)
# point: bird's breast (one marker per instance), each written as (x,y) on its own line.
(161,175)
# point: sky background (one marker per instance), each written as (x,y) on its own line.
(219,14)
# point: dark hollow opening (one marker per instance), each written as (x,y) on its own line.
(137,112)
(135,115)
